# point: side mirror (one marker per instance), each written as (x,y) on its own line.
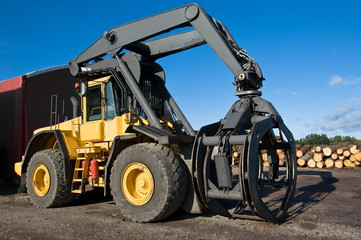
(83,88)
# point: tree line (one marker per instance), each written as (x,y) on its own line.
(322,139)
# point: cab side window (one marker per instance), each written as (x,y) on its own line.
(110,104)
(94,110)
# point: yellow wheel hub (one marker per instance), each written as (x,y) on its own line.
(41,180)
(137,184)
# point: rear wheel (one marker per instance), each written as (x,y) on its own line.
(45,180)
(148,182)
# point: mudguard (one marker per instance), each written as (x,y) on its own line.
(40,141)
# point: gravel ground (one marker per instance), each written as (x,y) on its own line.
(327,206)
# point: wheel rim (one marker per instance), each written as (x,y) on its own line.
(41,180)
(137,184)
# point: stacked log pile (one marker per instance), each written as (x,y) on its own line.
(333,156)
(281,157)
(329,156)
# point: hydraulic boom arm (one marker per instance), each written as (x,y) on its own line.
(133,36)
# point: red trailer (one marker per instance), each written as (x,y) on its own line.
(25,104)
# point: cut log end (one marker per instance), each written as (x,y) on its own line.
(318,149)
(301,162)
(318,157)
(320,164)
(339,164)
(329,163)
(311,163)
(299,153)
(327,151)
(347,153)
(348,163)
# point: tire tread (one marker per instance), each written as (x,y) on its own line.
(63,194)
(176,191)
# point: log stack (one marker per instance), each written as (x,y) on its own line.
(237,152)
(281,158)
(329,156)
(316,157)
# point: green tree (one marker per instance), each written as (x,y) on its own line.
(337,139)
(314,139)
(348,139)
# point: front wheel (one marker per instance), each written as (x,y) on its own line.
(45,180)
(148,182)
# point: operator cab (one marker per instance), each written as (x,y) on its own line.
(113,102)
(116,102)
(106,104)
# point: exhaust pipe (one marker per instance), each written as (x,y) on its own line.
(75,103)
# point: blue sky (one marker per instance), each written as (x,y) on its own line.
(309,52)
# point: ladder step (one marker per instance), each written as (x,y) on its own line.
(77,180)
(79,169)
(76,191)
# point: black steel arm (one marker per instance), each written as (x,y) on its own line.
(131,36)
(168,45)
(117,38)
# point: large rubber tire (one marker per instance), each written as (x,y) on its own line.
(57,191)
(168,173)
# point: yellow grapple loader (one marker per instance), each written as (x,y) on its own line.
(133,140)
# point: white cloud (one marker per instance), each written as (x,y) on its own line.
(335,80)
(345,118)
(340,81)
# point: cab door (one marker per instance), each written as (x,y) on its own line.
(114,109)
(92,129)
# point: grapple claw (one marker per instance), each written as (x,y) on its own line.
(254,187)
